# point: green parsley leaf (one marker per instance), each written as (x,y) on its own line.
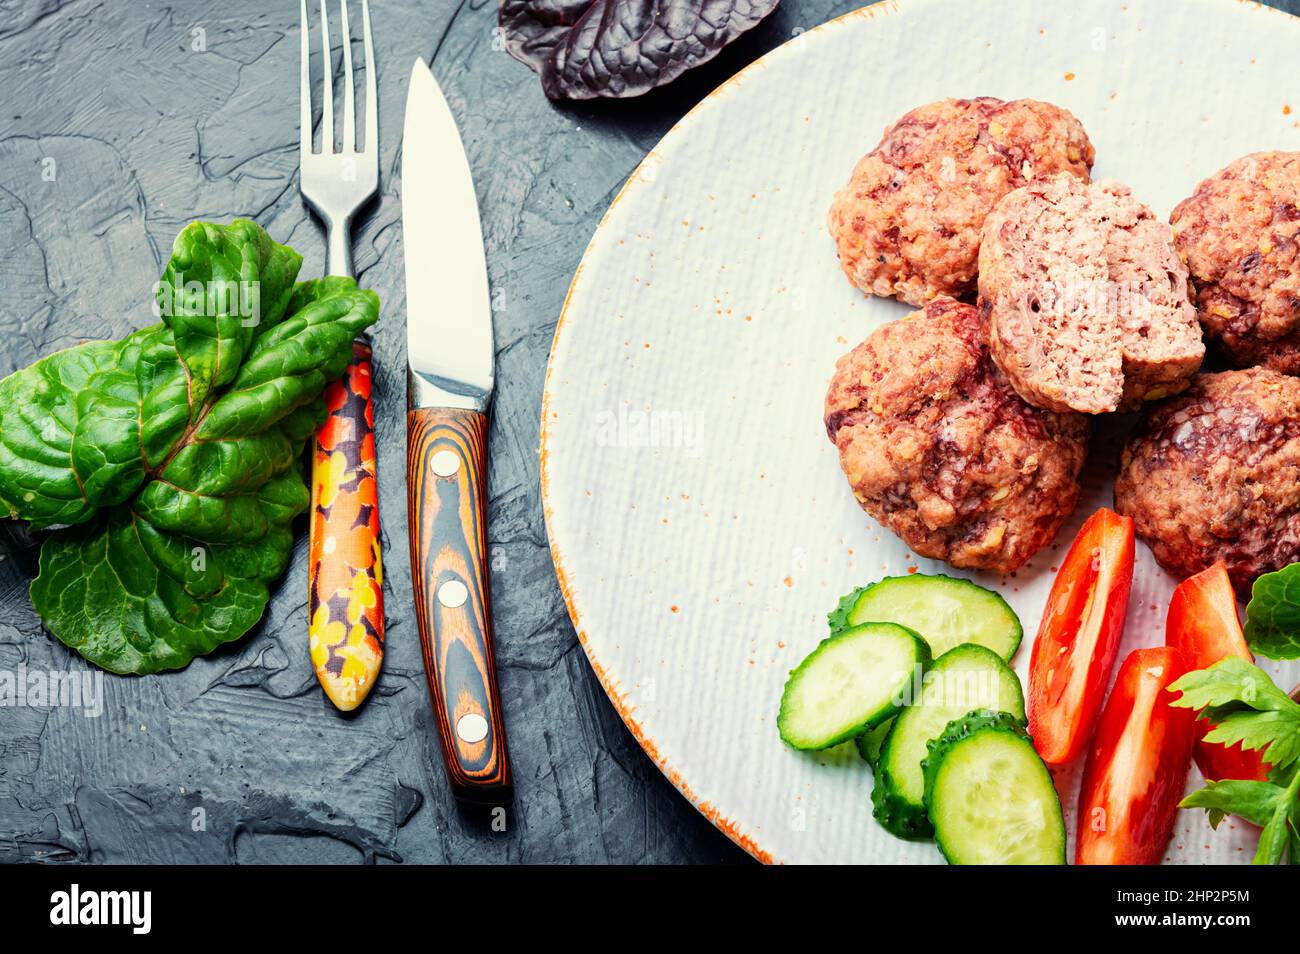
(1249,709)
(1246,708)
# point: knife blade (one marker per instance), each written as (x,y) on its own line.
(450,380)
(448,306)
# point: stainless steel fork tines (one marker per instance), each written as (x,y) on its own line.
(337,182)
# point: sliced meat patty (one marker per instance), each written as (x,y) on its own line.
(908,222)
(1214,474)
(940,449)
(1086,299)
(1240,236)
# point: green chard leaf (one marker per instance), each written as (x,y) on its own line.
(1273,614)
(222,286)
(171,459)
(69,433)
(136,599)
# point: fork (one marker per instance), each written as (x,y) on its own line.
(345,583)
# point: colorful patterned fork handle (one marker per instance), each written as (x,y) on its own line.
(346,596)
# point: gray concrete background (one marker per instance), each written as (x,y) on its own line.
(151,114)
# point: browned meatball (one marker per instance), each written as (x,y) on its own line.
(1214,474)
(908,222)
(1240,236)
(1086,299)
(940,449)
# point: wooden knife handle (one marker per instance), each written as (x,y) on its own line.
(346,595)
(446,456)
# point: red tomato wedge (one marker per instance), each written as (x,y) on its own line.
(1137,766)
(1203,626)
(1078,637)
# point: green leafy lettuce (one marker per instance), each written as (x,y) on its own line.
(168,463)
(1247,708)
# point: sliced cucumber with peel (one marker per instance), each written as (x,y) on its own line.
(990,797)
(854,680)
(945,610)
(967,678)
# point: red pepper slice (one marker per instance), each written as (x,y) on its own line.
(1079,636)
(1137,766)
(1203,626)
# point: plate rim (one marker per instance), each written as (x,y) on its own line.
(729,826)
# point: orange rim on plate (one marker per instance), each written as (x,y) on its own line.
(608,681)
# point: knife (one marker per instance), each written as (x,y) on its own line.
(449,389)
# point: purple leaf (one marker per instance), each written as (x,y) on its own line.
(584,49)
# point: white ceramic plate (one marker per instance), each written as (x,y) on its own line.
(699,522)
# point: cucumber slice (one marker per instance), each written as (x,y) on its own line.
(870,743)
(990,796)
(852,681)
(945,610)
(962,680)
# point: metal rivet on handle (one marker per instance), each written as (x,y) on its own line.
(471,728)
(445,463)
(452,594)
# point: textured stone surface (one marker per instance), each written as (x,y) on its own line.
(144,132)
